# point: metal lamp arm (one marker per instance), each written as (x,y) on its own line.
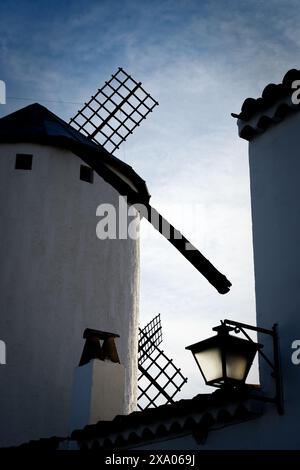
(275,366)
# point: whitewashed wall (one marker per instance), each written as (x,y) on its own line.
(275,194)
(56,279)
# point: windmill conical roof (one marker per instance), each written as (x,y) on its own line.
(37,124)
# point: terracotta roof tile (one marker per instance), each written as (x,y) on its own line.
(196,415)
(274,104)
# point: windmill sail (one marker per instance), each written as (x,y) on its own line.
(197,259)
(159,379)
(108,118)
(150,338)
(113,113)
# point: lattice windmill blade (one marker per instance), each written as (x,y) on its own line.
(113,113)
(150,337)
(159,378)
(108,118)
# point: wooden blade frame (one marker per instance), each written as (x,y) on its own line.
(159,379)
(108,118)
(113,113)
(152,337)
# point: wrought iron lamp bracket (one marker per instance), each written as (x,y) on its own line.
(274,365)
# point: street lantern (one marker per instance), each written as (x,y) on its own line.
(224,360)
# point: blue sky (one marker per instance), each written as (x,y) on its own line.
(200,60)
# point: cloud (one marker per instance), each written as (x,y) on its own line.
(200,60)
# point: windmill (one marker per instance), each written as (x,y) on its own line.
(108,118)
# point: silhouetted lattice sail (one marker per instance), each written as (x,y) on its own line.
(159,379)
(108,118)
(150,338)
(113,113)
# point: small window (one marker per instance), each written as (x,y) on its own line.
(23,161)
(86,174)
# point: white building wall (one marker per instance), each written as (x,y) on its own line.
(56,279)
(275,194)
(97,378)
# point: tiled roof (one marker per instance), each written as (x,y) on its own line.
(37,124)
(270,108)
(197,416)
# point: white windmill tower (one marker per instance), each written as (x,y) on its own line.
(56,277)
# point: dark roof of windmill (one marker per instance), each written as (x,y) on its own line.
(272,95)
(37,124)
(196,416)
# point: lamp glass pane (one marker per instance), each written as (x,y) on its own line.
(210,362)
(236,366)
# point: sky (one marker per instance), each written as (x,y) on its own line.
(199,60)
